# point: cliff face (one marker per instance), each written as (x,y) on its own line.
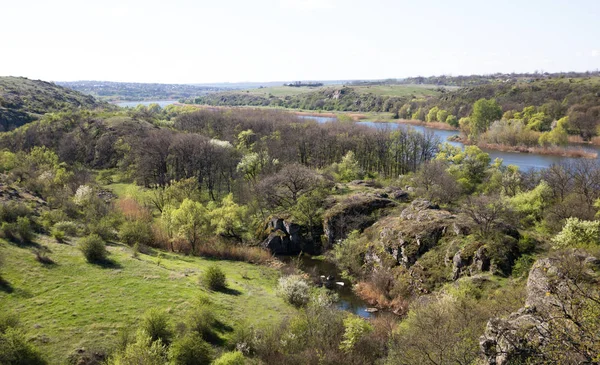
(559,321)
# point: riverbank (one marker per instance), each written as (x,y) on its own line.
(548,151)
(595,141)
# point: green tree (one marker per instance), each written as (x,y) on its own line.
(349,169)
(452,120)
(230,219)
(355,328)
(578,233)
(442,115)
(484,113)
(191,221)
(432,115)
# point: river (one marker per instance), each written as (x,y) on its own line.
(525,161)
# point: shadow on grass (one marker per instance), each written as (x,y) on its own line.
(5,286)
(107,264)
(230,291)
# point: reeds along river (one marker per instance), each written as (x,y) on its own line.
(525,161)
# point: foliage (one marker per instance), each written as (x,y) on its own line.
(15,349)
(190,221)
(354,329)
(468,166)
(190,349)
(294,289)
(532,204)
(155,324)
(230,358)
(69,228)
(214,278)
(484,113)
(142,351)
(136,232)
(20,231)
(348,254)
(348,169)
(230,220)
(93,248)
(578,233)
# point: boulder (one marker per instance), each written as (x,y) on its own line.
(549,297)
(285,238)
(352,213)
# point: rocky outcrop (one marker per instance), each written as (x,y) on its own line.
(353,213)
(9,194)
(553,297)
(285,238)
(470,263)
(406,238)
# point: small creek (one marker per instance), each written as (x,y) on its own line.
(348,300)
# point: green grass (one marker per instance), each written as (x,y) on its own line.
(279,91)
(75,304)
(399,90)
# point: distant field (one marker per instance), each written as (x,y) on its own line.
(278,91)
(382,90)
(401,90)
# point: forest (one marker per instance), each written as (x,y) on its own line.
(176,236)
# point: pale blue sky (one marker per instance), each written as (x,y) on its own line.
(195,41)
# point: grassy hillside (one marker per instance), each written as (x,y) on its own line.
(73,304)
(23,100)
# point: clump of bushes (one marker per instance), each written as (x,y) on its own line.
(19,231)
(231,358)
(14,346)
(156,324)
(190,349)
(93,248)
(136,231)
(214,278)
(294,289)
(58,235)
(202,321)
(69,228)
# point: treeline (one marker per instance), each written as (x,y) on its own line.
(334,99)
(472,80)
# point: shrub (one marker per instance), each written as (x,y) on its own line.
(214,278)
(58,235)
(69,228)
(93,248)
(202,321)
(354,329)
(10,211)
(105,228)
(16,350)
(578,233)
(156,324)
(190,350)
(8,320)
(136,231)
(522,265)
(231,358)
(142,351)
(20,231)
(294,289)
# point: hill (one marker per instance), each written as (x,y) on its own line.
(71,304)
(23,100)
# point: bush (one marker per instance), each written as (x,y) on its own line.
(156,324)
(190,350)
(294,289)
(20,231)
(136,231)
(103,228)
(10,211)
(214,278)
(231,358)
(58,235)
(142,351)
(202,321)
(8,320)
(93,248)
(522,265)
(16,350)
(69,228)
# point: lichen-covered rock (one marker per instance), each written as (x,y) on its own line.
(552,294)
(405,238)
(354,212)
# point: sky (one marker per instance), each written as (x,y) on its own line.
(199,41)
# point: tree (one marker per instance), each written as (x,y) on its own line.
(230,219)
(284,188)
(486,212)
(442,115)
(349,169)
(432,114)
(578,233)
(484,113)
(191,221)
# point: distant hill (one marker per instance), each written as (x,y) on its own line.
(23,100)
